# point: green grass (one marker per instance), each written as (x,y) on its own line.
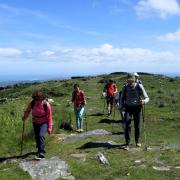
(161,125)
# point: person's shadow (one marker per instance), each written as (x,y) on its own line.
(109,121)
(17,157)
(102,144)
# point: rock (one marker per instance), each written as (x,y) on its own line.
(177,167)
(10,161)
(46,169)
(135,149)
(139,164)
(162,168)
(99,156)
(97,132)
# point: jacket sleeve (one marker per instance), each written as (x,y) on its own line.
(146,98)
(27,111)
(49,117)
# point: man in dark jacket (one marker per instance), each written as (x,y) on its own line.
(132,98)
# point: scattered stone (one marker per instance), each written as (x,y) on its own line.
(99,156)
(46,169)
(62,137)
(10,161)
(170,146)
(135,149)
(97,132)
(139,164)
(177,167)
(162,168)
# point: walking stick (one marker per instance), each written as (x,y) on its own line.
(113,116)
(144,126)
(22,136)
(86,121)
(104,104)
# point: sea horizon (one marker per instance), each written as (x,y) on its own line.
(6,80)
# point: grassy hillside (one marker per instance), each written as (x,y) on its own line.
(162,117)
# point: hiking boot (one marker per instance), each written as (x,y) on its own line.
(126,148)
(78,130)
(81,130)
(41,155)
(138,144)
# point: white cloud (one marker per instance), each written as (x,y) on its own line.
(162,8)
(107,54)
(9,52)
(171,37)
(47,54)
(103,58)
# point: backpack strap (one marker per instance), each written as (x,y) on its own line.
(44,104)
(32,104)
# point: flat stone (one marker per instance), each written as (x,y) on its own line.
(46,169)
(177,167)
(102,159)
(135,149)
(97,132)
(162,168)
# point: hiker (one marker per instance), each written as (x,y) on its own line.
(132,98)
(78,99)
(41,118)
(110,89)
(137,80)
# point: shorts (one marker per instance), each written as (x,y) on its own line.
(110,99)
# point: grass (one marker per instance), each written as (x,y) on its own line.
(162,128)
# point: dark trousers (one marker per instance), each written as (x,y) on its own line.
(40,131)
(136,113)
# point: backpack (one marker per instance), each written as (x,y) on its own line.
(44,104)
(125,89)
(109,88)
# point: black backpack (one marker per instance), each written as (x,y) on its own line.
(44,104)
(125,89)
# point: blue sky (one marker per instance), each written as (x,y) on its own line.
(78,37)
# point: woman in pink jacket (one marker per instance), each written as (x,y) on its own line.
(41,118)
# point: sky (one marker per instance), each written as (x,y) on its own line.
(88,37)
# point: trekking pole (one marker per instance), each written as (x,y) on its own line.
(113,116)
(22,136)
(86,122)
(104,104)
(144,126)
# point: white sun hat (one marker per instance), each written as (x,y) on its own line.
(136,74)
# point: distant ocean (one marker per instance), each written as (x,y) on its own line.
(14,79)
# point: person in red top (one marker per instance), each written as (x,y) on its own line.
(78,99)
(110,89)
(41,118)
